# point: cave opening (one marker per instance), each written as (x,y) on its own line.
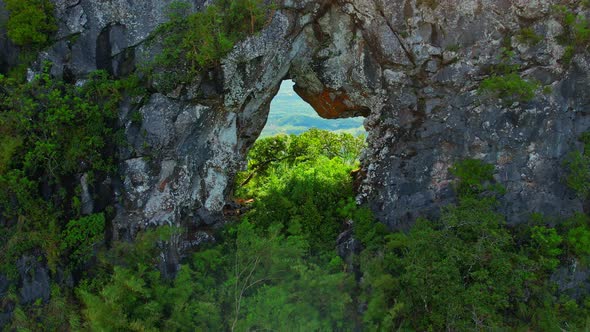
(312,144)
(290,114)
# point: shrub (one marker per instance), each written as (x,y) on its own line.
(51,132)
(529,36)
(578,177)
(577,165)
(198,41)
(30,22)
(474,176)
(576,36)
(510,87)
(546,244)
(79,237)
(505,82)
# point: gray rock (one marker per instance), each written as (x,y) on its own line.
(573,280)
(86,196)
(35,280)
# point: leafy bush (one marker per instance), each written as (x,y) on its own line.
(193,42)
(577,236)
(546,244)
(529,36)
(506,83)
(267,153)
(53,131)
(79,236)
(578,169)
(510,87)
(30,22)
(576,36)
(301,182)
(464,271)
(474,176)
(254,279)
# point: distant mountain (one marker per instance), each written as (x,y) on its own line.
(291,115)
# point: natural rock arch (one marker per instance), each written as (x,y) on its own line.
(413,70)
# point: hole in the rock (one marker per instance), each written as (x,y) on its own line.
(290,114)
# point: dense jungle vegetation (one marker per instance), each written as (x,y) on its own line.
(277,265)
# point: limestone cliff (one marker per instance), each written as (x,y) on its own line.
(411,67)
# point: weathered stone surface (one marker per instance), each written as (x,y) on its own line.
(573,280)
(35,280)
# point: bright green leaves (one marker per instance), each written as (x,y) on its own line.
(302,182)
(474,176)
(79,236)
(545,243)
(30,22)
(199,41)
(576,34)
(282,151)
(51,132)
(506,83)
(465,270)
(510,87)
(577,164)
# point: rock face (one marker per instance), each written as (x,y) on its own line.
(412,69)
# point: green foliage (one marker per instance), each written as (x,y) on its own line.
(529,36)
(51,132)
(546,244)
(30,22)
(506,83)
(301,182)
(458,274)
(49,108)
(510,87)
(576,36)
(79,236)
(59,314)
(577,236)
(274,270)
(193,42)
(274,152)
(578,169)
(465,271)
(474,176)
(255,279)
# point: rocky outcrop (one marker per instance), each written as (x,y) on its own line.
(412,69)
(8,51)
